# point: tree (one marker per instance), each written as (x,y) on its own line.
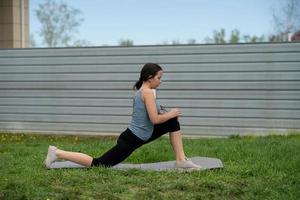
(126,42)
(176,42)
(286,21)
(254,38)
(191,41)
(219,37)
(235,36)
(59,23)
(32,41)
(81,43)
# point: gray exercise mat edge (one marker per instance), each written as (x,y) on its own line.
(205,162)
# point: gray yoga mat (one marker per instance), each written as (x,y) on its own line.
(205,162)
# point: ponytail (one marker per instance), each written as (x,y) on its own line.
(138,84)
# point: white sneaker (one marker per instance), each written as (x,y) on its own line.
(51,156)
(187,165)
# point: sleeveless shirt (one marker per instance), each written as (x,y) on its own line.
(140,124)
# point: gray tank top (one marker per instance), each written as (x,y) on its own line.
(140,124)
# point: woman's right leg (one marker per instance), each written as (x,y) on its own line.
(126,144)
(80,158)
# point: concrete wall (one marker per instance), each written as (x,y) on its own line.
(221,89)
(14,23)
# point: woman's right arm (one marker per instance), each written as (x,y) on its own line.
(154,116)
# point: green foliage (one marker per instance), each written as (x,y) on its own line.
(255,168)
(235,36)
(254,38)
(126,42)
(219,37)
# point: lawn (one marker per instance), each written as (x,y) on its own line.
(255,168)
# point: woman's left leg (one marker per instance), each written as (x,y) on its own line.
(172,127)
(176,142)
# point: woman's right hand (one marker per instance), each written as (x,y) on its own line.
(175,112)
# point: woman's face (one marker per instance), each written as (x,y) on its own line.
(156,80)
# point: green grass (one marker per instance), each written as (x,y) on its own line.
(255,168)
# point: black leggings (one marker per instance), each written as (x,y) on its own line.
(128,142)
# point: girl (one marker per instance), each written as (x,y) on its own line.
(147,124)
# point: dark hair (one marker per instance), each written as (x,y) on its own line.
(148,71)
